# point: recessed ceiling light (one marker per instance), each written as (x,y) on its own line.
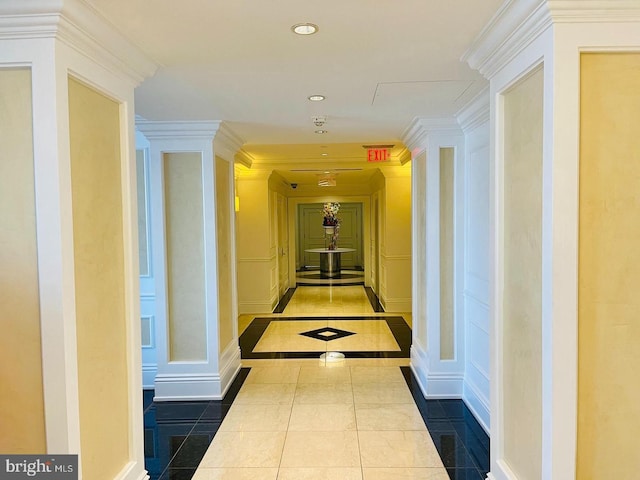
(316,98)
(305,28)
(324,154)
(320,132)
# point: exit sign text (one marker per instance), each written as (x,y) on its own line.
(378,155)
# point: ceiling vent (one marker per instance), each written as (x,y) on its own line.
(327,180)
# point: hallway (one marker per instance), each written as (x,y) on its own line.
(302,418)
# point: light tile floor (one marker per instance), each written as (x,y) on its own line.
(286,336)
(304,421)
(324,302)
(308,419)
(354,419)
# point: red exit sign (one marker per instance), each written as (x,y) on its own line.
(378,155)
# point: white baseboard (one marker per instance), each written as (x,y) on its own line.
(230,364)
(478,405)
(501,471)
(255,307)
(434,385)
(132,471)
(200,386)
(149,372)
(187,386)
(396,305)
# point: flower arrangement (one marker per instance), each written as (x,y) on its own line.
(330,212)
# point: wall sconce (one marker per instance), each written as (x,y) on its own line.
(237,203)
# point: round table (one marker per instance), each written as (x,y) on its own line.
(330,260)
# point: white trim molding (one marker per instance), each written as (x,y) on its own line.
(523,36)
(434,385)
(200,386)
(149,372)
(474,113)
(227,143)
(79,26)
(514,26)
(58,40)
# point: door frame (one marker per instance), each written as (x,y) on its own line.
(366,227)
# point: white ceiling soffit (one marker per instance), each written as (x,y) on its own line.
(238,62)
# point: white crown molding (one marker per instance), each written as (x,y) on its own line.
(589,11)
(227,143)
(518,22)
(196,130)
(475,112)
(416,135)
(81,27)
(244,158)
(514,26)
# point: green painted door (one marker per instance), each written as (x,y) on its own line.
(311,234)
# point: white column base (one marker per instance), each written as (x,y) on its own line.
(434,385)
(500,471)
(132,471)
(199,386)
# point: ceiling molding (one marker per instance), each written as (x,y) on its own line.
(244,158)
(80,27)
(227,143)
(519,22)
(514,26)
(589,11)
(475,112)
(199,130)
(416,136)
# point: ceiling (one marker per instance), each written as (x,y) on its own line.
(380,65)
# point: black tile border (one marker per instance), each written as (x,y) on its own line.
(462,444)
(284,301)
(252,334)
(193,423)
(373,300)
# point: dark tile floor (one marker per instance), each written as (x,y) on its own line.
(461,442)
(177,434)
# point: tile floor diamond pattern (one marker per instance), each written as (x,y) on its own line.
(327,334)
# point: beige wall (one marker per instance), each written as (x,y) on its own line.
(522,277)
(99,275)
(447,350)
(223,230)
(21,400)
(184,225)
(256,263)
(609,267)
(396,245)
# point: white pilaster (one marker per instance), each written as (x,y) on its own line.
(210,377)
(226,145)
(474,121)
(57,40)
(438,378)
(521,37)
